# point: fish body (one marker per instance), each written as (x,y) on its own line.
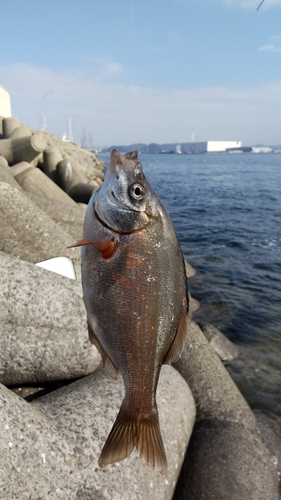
(134,289)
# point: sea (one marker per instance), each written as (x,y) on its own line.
(226,210)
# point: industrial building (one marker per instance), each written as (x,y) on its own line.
(5,103)
(209,146)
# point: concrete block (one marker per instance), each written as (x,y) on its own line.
(51,157)
(35,463)
(19,167)
(227,461)
(84,412)
(226,457)
(9,125)
(68,175)
(44,334)
(29,233)
(224,348)
(6,176)
(69,217)
(35,181)
(81,193)
(17,149)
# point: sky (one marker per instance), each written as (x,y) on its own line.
(146,71)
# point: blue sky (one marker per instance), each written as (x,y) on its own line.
(145,70)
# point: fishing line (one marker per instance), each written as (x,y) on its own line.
(260,4)
(133,77)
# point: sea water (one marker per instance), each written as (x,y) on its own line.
(226,210)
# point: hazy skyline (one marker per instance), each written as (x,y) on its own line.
(141,71)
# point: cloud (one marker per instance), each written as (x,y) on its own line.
(252,4)
(272,47)
(115,113)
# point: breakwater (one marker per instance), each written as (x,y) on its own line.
(51,444)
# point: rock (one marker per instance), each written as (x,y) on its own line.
(226,457)
(97,401)
(43,326)
(28,233)
(50,448)
(17,149)
(34,181)
(69,217)
(224,348)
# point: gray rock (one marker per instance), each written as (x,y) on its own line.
(29,233)
(43,326)
(50,448)
(84,412)
(224,348)
(226,458)
(68,217)
(35,181)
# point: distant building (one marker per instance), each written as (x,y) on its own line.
(210,146)
(5,103)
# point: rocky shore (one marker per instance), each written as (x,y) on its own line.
(57,404)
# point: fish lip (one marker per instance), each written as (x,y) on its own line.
(124,233)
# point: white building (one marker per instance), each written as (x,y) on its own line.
(211,146)
(220,146)
(5,103)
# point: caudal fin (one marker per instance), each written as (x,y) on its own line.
(129,432)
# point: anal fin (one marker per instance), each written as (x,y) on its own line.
(108,364)
(178,343)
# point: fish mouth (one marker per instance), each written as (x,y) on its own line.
(121,233)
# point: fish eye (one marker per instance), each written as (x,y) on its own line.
(136,192)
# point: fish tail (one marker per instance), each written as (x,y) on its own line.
(149,444)
(130,431)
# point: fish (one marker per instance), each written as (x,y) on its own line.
(135,294)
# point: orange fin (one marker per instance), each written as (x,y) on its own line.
(108,364)
(129,432)
(178,343)
(107,248)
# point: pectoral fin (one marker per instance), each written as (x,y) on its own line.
(108,364)
(107,248)
(178,343)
